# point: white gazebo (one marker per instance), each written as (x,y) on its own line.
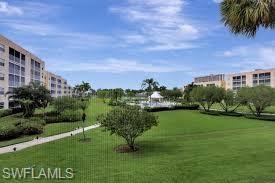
(156,97)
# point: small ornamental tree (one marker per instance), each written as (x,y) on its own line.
(229,101)
(30,97)
(207,96)
(128,122)
(257,99)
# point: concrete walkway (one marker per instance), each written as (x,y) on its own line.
(34,142)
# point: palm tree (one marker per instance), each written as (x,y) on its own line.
(247,16)
(82,88)
(149,85)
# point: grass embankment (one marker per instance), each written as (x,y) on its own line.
(187,146)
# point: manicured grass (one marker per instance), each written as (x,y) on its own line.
(95,108)
(186,147)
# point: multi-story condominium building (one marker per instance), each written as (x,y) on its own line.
(238,80)
(211,80)
(57,85)
(253,78)
(18,67)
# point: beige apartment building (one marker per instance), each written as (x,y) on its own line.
(238,80)
(18,67)
(57,85)
(210,80)
(253,78)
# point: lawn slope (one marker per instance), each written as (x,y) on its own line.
(186,147)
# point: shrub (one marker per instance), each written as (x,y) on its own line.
(22,127)
(128,122)
(32,126)
(262,117)
(5,112)
(218,113)
(52,119)
(9,132)
(213,113)
(179,107)
(66,116)
(61,104)
(231,114)
(70,116)
(116,103)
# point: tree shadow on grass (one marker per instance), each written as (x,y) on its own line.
(86,140)
(153,147)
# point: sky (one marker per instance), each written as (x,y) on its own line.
(119,43)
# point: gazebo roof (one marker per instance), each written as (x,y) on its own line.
(156,95)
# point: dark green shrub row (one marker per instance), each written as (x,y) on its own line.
(213,113)
(30,126)
(66,116)
(218,113)
(5,112)
(183,107)
(263,117)
(116,103)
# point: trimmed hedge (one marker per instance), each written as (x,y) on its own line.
(182,107)
(30,126)
(263,117)
(66,116)
(5,112)
(116,103)
(218,113)
(213,113)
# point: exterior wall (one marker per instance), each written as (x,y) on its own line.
(18,67)
(57,85)
(250,79)
(216,80)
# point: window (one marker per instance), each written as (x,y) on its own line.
(11,54)
(2,77)
(2,62)
(2,47)
(2,91)
(1,105)
(22,71)
(17,56)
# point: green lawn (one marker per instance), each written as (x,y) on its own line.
(95,108)
(186,147)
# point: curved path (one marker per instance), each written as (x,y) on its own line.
(34,142)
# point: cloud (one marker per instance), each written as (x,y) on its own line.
(251,57)
(160,24)
(113,65)
(217,1)
(7,9)
(56,35)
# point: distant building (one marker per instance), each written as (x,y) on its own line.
(253,78)
(210,80)
(238,80)
(57,85)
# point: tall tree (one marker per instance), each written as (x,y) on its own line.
(247,16)
(82,89)
(187,91)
